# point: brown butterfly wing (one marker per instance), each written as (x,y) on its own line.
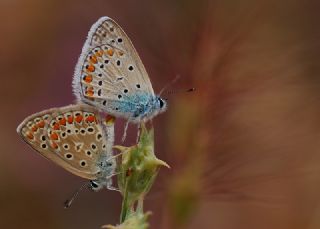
(71,137)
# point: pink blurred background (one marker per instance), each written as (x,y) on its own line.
(244,148)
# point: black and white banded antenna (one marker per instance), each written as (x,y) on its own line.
(68,202)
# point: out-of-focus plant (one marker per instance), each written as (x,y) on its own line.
(137,171)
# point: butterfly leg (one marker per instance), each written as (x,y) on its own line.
(114,156)
(109,184)
(111,188)
(125,131)
(138,132)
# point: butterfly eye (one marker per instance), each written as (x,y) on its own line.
(95,186)
(161,102)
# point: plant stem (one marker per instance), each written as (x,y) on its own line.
(125,206)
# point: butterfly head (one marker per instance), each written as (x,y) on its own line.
(104,177)
(96,185)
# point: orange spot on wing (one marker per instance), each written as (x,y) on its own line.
(110,119)
(30,135)
(90,92)
(54,145)
(93,59)
(91,68)
(54,136)
(120,53)
(99,53)
(79,118)
(56,126)
(87,78)
(34,128)
(70,119)
(110,52)
(62,121)
(41,124)
(90,118)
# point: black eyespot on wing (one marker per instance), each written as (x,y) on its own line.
(99,136)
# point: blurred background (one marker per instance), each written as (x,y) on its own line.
(243,148)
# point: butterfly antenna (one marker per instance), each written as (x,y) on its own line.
(169,84)
(68,202)
(181,91)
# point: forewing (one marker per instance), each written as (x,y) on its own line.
(109,68)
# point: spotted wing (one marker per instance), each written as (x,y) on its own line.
(109,70)
(71,137)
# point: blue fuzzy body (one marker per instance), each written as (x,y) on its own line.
(140,106)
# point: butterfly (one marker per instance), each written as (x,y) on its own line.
(75,138)
(110,75)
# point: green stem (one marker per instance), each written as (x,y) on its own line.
(125,208)
(140,205)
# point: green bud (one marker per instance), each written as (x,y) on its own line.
(134,221)
(137,171)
